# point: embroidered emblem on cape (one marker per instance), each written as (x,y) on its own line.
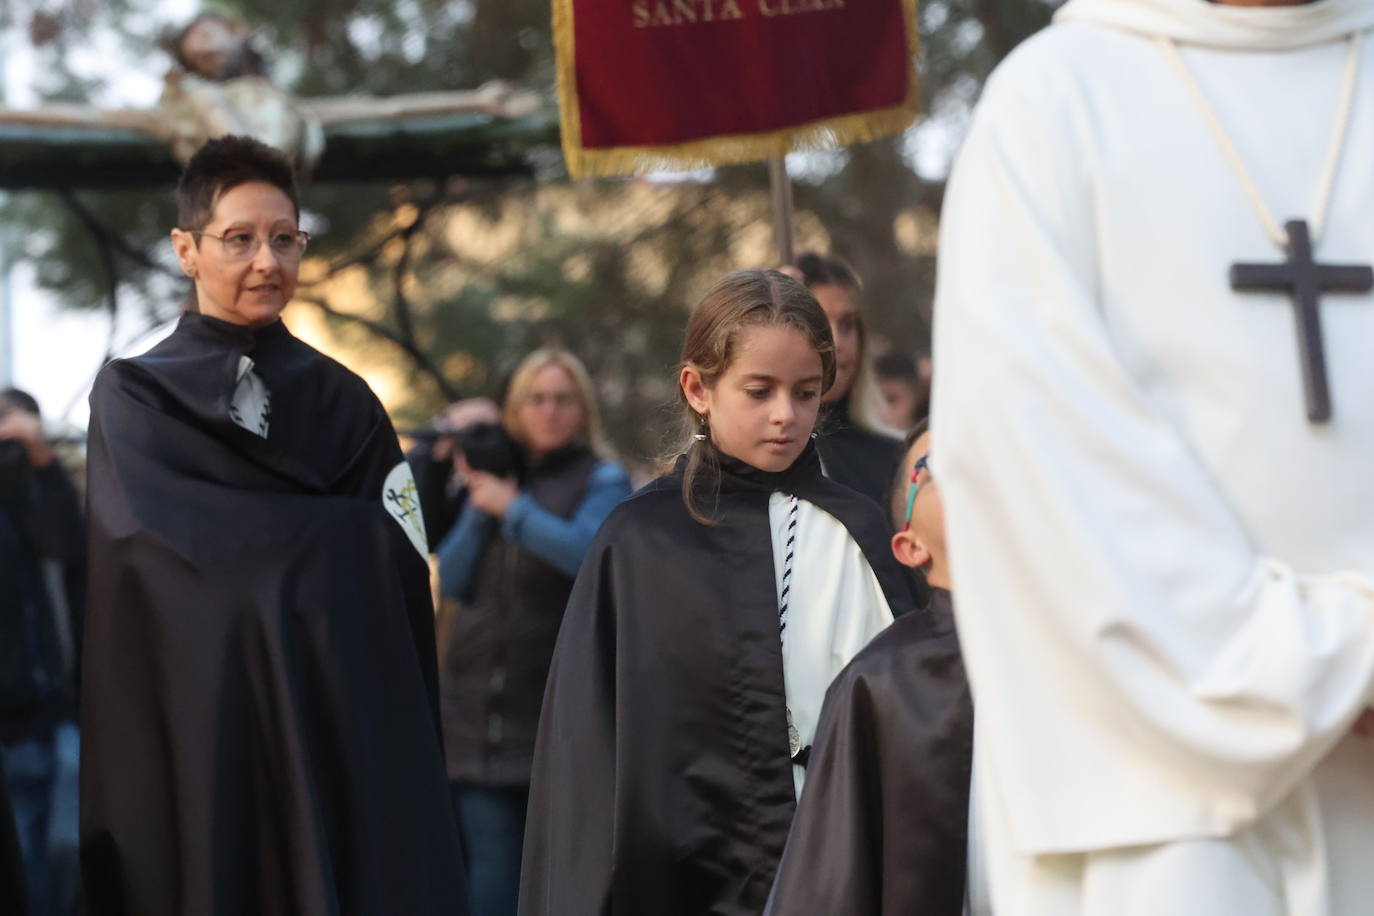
(402,501)
(251,406)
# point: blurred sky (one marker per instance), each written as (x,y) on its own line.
(54,354)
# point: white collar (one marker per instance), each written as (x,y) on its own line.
(1201,22)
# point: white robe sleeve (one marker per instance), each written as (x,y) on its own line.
(1141,673)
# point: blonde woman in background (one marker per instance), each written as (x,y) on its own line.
(538,488)
(714,608)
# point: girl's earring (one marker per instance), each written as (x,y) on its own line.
(702,432)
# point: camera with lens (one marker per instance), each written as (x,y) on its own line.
(489,448)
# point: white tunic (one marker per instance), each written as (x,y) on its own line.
(836,606)
(251,405)
(1165,575)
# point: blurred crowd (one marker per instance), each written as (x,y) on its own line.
(513,491)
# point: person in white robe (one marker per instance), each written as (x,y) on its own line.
(1163,550)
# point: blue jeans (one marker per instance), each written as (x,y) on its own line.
(41,774)
(491,822)
(30,767)
(64,824)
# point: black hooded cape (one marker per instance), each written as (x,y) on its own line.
(882,825)
(662,783)
(259,718)
(859,459)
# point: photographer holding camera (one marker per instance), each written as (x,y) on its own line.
(440,487)
(537,491)
(43,565)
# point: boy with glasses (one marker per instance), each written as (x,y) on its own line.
(882,826)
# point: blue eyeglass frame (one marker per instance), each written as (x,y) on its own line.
(913,487)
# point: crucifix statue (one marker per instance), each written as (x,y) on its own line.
(220,85)
(1305,280)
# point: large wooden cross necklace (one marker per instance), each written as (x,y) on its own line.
(1300,276)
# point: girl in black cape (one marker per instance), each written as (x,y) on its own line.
(708,618)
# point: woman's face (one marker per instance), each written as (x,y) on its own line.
(247,291)
(763,407)
(551,414)
(842,308)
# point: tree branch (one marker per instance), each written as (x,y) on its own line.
(420,358)
(405,321)
(403,336)
(107,263)
(370,254)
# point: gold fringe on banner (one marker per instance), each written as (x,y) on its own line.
(731,149)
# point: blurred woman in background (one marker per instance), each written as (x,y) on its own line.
(535,499)
(856,447)
(905,391)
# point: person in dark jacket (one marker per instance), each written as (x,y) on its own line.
(441,492)
(42,564)
(882,828)
(857,449)
(13,894)
(510,560)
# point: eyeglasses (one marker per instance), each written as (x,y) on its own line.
(913,488)
(562,400)
(243,246)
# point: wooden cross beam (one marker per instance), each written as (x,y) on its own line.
(34,156)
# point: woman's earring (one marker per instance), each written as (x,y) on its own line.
(702,431)
(815,435)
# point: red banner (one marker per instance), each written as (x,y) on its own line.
(647,84)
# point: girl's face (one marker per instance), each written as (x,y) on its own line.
(842,308)
(763,407)
(551,413)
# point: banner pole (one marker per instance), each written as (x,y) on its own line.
(781,186)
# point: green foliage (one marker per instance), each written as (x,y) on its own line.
(442,302)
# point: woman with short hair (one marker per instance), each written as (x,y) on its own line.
(259,712)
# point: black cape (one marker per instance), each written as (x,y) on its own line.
(861,460)
(882,825)
(259,718)
(13,896)
(662,783)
